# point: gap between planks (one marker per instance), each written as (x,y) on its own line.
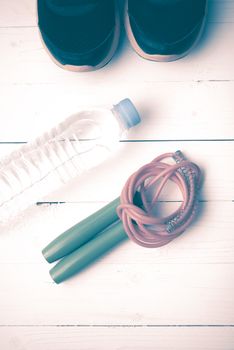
(141,141)
(122,325)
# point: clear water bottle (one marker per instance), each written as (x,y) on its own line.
(77,144)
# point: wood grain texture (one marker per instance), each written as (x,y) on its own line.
(214,159)
(170,111)
(208,241)
(189,281)
(22,50)
(137,338)
(177,297)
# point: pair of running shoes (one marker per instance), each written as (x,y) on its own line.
(83,35)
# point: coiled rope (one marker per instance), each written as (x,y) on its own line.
(140,224)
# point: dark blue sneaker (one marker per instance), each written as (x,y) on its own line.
(80,35)
(164,30)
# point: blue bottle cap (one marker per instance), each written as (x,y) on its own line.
(127,113)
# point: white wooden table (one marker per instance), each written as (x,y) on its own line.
(180,296)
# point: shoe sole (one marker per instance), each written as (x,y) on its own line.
(158,58)
(87,68)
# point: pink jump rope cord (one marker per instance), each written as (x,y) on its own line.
(143,227)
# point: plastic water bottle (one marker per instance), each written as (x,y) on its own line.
(77,144)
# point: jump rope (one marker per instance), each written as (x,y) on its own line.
(132,215)
(145,228)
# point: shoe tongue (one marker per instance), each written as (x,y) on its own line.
(76,25)
(72,7)
(167,20)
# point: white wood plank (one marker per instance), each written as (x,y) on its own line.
(70,338)
(183,110)
(189,281)
(14,13)
(17,13)
(119,293)
(105,182)
(111,176)
(22,50)
(208,241)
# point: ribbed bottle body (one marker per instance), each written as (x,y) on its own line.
(79,143)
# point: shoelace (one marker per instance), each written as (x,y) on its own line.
(140,224)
